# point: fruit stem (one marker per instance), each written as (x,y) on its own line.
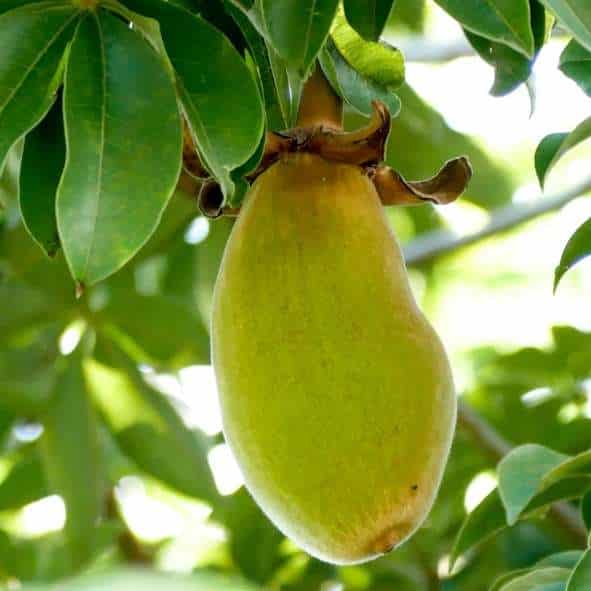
(320,106)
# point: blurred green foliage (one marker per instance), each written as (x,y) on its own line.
(84,416)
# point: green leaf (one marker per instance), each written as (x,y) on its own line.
(566,559)
(8,5)
(245,522)
(520,475)
(43,160)
(378,62)
(209,257)
(147,580)
(505,578)
(586,509)
(32,309)
(71,457)
(368,17)
(580,578)
(575,15)
(543,579)
(258,50)
(488,518)
(356,90)
(10,176)
(505,21)
(297,29)
(24,483)
(555,145)
(288,97)
(220,97)
(158,330)
(124,141)
(575,62)
(33,40)
(483,522)
(511,67)
(7,420)
(577,248)
(145,425)
(565,489)
(579,465)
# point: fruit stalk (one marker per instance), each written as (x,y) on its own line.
(320,106)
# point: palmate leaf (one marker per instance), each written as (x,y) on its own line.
(124,143)
(577,248)
(488,518)
(505,21)
(566,559)
(531,477)
(33,40)
(521,473)
(580,579)
(575,15)
(8,5)
(43,161)
(512,68)
(258,49)
(25,482)
(10,178)
(220,97)
(71,458)
(575,62)
(378,62)
(586,509)
(556,145)
(297,29)
(145,426)
(368,17)
(157,330)
(245,522)
(543,579)
(355,89)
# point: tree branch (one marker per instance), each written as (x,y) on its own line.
(497,447)
(436,244)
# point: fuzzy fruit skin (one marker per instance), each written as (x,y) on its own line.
(336,393)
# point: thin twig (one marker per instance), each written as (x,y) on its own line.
(436,244)
(497,447)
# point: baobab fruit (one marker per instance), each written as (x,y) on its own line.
(336,393)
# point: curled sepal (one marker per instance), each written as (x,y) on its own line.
(211,201)
(363,147)
(446,186)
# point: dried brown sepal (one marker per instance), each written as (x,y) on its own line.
(363,147)
(320,106)
(446,186)
(276,144)
(210,201)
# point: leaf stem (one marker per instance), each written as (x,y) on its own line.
(320,105)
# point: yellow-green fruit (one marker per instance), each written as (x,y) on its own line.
(336,394)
